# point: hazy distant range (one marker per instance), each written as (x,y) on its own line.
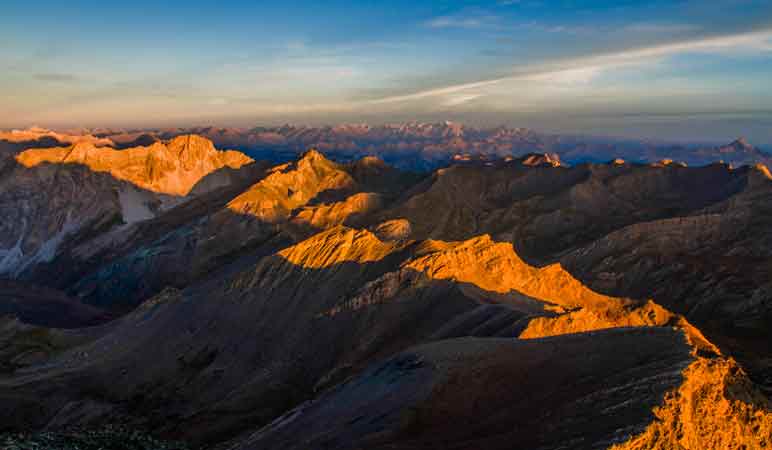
(418,146)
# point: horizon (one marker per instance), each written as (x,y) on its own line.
(665,70)
(654,140)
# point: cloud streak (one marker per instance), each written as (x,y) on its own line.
(584,69)
(55,77)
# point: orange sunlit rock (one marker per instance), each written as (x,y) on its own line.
(716,407)
(290,186)
(172,168)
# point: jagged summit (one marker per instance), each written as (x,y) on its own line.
(292,185)
(172,167)
(313,154)
(741,144)
(543,159)
(35,133)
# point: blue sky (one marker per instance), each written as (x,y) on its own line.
(669,69)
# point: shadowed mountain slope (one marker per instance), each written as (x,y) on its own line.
(695,239)
(470,393)
(322,309)
(69,211)
(348,286)
(47,307)
(289,203)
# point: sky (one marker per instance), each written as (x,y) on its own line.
(674,70)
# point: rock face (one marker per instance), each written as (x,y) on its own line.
(42,209)
(62,205)
(715,407)
(172,168)
(317,304)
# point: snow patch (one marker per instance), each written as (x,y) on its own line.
(13,261)
(47,251)
(11,258)
(134,206)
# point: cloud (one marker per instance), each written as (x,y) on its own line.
(457,100)
(585,69)
(55,77)
(576,76)
(454,22)
(468,19)
(660,28)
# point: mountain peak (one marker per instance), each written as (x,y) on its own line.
(313,154)
(190,139)
(171,168)
(740,144)
(544,159)
(192,145)
(741,141)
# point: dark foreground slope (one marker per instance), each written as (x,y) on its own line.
(219,359)
(470,393)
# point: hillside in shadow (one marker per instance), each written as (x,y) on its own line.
(211,361)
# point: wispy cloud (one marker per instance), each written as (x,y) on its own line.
(585,69)
(660,28)
(55,77)
(454,22)
(468,19)
(457,100)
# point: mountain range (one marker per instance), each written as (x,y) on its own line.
(409,146)
(492,289)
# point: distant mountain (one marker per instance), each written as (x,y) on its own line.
(413,145)
(427,146)
(172,167)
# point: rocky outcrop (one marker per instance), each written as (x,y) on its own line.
(293,185)
(546,159)
(716,406)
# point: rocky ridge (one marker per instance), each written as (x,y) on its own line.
(394,310)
